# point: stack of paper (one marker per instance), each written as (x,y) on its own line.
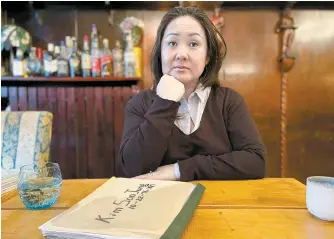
(9,179)
(129,208)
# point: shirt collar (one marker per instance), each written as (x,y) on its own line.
(202,92)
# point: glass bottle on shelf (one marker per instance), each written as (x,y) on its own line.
(50,68)
(75,61)
(106,59)
(18,64)
(55,60)
(68,47)
(129,58)
(117,55)
(63,64)
(39,54)
(33,66)
(95,53)
(86,61)
(57,52)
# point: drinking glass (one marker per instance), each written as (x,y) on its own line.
(39,187)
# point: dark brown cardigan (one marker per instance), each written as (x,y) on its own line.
(227,144)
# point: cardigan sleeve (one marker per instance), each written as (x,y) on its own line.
(247,159)
(145,135)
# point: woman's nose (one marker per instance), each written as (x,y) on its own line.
(182,53)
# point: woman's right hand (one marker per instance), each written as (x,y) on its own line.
(170,88)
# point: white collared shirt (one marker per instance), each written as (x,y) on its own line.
(192,110)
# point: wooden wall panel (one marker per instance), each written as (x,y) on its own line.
(81,133)
(60,117)
(118,124)
(70,131)
(13,98)
(23,98)
(251,69)
(310,113)
(108,142)
(32,98)
(100,157)
(91,130)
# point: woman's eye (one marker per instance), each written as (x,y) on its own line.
(193,44)
(172,43)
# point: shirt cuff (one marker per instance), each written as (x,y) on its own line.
(177,171)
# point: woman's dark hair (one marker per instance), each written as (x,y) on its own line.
(215,42)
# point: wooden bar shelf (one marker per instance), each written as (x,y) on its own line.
(88,117)
(69,79)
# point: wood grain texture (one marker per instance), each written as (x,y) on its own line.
(70,132)
(23,98)
(108,142)
(6,196)
(61,116)
(256,223)
(205,223)
(13,222)
(91,131)
(32,98)
(118,124)
(13,98)
(310,113)
(81,133)
(266,193)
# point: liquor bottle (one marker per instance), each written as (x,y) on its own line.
(57,52)
(106,59)
(86,61)
(68,47)
(33,66)
(55,60)
(129,58)
(75,67)
(95,53)
(63,64)
(50,68)
(117,55)
(18,64)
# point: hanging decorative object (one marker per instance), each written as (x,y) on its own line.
(217,18)
(286,28)
(110,14)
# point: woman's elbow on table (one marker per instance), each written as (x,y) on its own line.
(259,168)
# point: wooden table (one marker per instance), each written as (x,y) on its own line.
(268,208)
(270,192)
(206,223)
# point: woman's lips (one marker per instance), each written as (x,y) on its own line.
(180,68)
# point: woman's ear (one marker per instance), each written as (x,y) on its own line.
(207,60)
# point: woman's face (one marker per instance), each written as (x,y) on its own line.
(184,50)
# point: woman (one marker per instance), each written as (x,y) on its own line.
(188,127)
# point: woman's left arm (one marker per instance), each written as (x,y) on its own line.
(246,161)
